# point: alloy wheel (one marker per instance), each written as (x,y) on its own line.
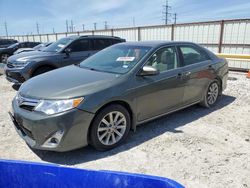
(111,128)
(212,94)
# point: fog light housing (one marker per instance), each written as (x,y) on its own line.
(54,140)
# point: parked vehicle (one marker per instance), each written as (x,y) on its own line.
(120,87)
(4,43)
(64,52)
(38,47)
(6,52)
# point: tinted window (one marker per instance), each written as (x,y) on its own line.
(80,45)
(192,55)
(99,44)
(164,59)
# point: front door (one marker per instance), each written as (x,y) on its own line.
(160,93)
(80,50)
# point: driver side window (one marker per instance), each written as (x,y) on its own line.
(164,59)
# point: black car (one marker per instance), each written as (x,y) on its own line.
(6,52)
(39,47)
(4,43)
(66,51)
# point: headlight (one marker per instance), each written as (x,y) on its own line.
(50,107)
(20,64)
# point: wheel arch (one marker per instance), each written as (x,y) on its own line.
(41,66)
(119,102)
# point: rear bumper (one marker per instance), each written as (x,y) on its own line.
(36,128)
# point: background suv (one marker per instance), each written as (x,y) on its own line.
(66,51)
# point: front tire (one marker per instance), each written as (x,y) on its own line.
(211,95)
(110,127)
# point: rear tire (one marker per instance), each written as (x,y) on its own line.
(110,127)
(41,70)
(211,95)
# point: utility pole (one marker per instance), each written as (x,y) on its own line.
(37,28)
(166,13)
(6,29)
(133,21)
(72,28)
(106,25)
(95,24)
(175,18)
(53,30)
(83,27)
(67,26)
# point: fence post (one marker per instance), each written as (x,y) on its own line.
(40,37)
(172,32)
(139,34)
(56,37)
(221,36)
(112,32)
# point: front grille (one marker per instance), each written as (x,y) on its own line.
(26,103)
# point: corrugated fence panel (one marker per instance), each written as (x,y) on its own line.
(128,34)
(106,33)
(52,38)
(61,35)
(85,33)
(156,33)
(44,38)
(37,38)
(199,33)
(237,33)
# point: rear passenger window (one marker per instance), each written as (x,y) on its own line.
(192,55)
(80,45)
(99,44)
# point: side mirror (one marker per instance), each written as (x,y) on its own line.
(148,71)
(67,51)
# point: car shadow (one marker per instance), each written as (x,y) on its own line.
(145,132)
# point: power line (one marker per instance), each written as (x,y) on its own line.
(166,13)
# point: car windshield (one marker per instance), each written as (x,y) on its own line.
(118,59)
(13,45)
(58,45)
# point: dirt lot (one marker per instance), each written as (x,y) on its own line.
(198,147)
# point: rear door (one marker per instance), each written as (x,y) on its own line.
(80,50)
(197,72)
(160,93)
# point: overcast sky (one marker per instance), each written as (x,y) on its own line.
(21,15)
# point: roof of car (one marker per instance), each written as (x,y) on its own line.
(92,36)
(156,43)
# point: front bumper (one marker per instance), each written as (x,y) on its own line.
(36,128)
(14,75)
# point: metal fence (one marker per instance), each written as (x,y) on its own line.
(225,36)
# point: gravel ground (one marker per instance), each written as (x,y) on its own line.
(197,147)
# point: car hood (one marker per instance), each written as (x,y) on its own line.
(30,55)
(67,82)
